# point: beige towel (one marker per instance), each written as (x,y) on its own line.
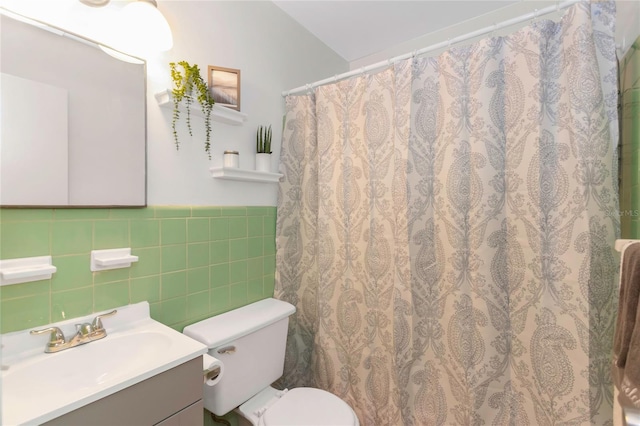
(626,343)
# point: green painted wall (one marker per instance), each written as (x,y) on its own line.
(194,262)
(630,143)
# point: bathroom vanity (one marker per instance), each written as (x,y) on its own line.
(142,372)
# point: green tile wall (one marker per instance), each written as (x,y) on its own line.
(630,144)
(630,167)
(194,262)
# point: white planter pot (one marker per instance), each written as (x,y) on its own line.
(263,162)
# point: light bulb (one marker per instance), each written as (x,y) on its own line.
(147,29)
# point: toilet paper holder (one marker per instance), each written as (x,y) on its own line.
(212,370)
(212,374)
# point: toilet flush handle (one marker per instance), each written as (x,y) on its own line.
(228,350)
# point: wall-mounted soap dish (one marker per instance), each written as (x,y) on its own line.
(22,270)
(102,260)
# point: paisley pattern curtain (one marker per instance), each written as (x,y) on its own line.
(445,231)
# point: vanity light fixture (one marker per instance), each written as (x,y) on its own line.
(95,3)
(151,31)
(142,28)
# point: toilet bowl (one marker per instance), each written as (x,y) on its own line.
(296,407)
(250,343)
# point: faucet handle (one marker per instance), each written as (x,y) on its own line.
(97,323)
(55,338)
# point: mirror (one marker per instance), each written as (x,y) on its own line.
(73,121)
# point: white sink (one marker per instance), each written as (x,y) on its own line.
(37,387)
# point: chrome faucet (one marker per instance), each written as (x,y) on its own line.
(85,333)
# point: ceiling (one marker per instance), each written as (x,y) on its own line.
(355,29)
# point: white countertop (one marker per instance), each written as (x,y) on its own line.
(37,387)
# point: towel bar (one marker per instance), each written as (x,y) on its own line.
(621,243)
(631,416)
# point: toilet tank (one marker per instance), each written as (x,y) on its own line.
(250,342)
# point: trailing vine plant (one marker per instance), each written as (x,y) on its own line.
(188,84)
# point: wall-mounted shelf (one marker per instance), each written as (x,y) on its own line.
(102,260)
(15,271)
(218,113)
(229,173)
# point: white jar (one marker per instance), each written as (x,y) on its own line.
(231,159)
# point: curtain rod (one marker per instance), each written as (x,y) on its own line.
(486,30)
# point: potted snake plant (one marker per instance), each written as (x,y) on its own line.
(263,149)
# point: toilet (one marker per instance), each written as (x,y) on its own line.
(250,342)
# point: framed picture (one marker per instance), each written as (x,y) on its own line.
(224,86)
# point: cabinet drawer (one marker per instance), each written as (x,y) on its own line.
(190,416)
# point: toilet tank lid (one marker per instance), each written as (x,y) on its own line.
(224,328)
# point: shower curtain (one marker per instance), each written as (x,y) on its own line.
(445,231)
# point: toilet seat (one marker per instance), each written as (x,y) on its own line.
(302,407)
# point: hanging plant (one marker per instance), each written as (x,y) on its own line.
(188,86)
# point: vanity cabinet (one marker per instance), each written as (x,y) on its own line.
(171,398)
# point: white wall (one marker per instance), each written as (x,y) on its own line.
(273,53)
